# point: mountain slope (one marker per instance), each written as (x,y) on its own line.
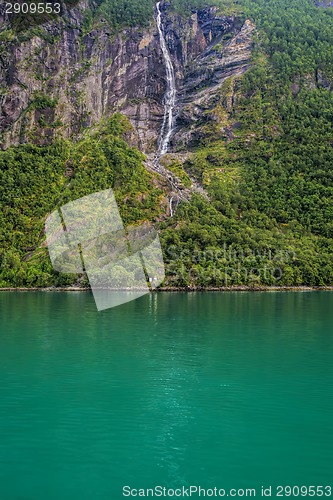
(253,128)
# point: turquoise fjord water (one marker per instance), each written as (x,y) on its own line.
(233,390)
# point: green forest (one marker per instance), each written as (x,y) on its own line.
(33,184)
(277,214)
(268,222)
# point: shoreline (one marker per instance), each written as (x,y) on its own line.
(239,288)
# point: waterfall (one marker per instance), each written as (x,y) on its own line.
(170,95)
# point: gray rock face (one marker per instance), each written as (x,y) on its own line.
(63,80)
(208,86)
(89,75)
(324,3)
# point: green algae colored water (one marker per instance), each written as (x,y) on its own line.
(226,390)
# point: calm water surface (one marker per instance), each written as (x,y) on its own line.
(177,389)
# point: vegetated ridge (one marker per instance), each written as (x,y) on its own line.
(249,163)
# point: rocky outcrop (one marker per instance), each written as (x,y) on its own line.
(323,80)
(208,90)
(85,76)
(324,3)
(65,78)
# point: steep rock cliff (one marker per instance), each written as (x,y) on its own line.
(208,90)
(63,78)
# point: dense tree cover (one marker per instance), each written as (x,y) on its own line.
(269,218)
(118,13)
(35,180)
(123,13)
(127,13)
(213,247)
(297,36)
(185,7)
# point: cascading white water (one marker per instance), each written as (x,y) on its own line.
(170,95)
